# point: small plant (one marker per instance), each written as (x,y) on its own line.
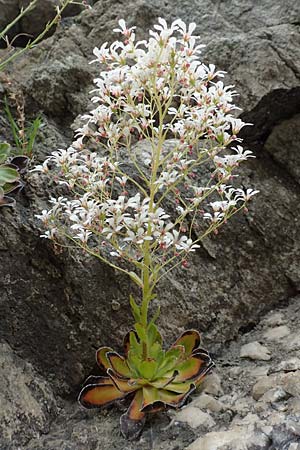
(149,176)
(24,136)
(163,380)
(10,179)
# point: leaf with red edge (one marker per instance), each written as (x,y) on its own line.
(101,357)
(133,421)
(97,395)
(97,379)
(178,388)
(190,340)
(167,398)
(190,369)
(203,373)
(118,364)
(122,384)
(126,341)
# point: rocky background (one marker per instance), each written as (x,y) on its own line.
(57,307)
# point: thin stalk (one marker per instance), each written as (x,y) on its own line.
(23,12)
(33,43)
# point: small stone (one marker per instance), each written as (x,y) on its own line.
(277,333)
(212,385)
(294,405)
(258,372)
(263,385)
(274,320)
(115,305)
(294,446)
(254,350)
(208,402)
(289,365)
(274,395)
(233,439)
(290,382)
(243,405)
(195,418)
(293,342)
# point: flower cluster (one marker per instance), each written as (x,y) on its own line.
(150,91)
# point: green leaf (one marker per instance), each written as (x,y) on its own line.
(156,316)
(170,361)
(136,279)
(190,340)
(141,332)
(102,358)
(155,350)
(11,187)
(148,369)
(94,396)
(153,334)
(121,384)
(118,364)
(135,345)
(134,361)
(133,421)
(31,133)
(8,175)
(136,311)
(4,151)
(7,201)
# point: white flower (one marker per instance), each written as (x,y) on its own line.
(149,90)
(83,236)
(123,29)
(50,234)
(246,195)
(41,167)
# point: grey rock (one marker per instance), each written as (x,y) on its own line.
(56,308)
(289,382)
(277,333)
(293,342)
(289,365)
(273,319)
(27,404)
(283,145)
(263,385)
(212,384)
(254,350)
(274,395)
(195,418)
(207,402)
(238,438)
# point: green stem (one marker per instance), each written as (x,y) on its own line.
(33,43)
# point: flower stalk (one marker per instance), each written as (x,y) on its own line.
(150,174)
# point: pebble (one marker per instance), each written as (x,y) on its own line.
(263,385)
(277,333)
(294,405)
(254,350)
(274,395)
(293,342)
(290,382)
(209,403)
(195,418)
(289,365)
(274,319)
(212,384)
(237,438)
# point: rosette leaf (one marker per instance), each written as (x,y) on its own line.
(152,378)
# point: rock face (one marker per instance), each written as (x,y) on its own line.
(57,307)
(27,403)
